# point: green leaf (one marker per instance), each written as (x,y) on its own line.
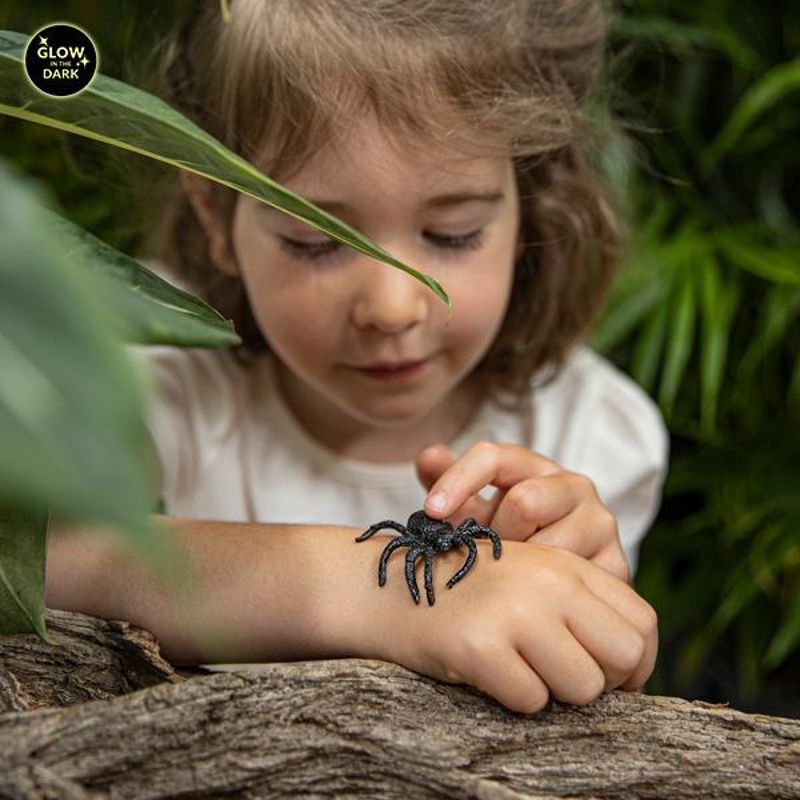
(680,341)
(73,439)
(719,302)
(630,303)
(23,544)
(747,251)
(740,590)
(781,308)
(768,91)
(149,310)
(113,112)
(649,347)
(72,434)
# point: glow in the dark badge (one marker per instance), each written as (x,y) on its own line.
(61,59)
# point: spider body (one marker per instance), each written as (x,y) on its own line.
(425,537)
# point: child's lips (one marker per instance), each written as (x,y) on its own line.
(396,371)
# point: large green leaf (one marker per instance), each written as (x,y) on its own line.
(23,541)
(73,440)
(69,403)
(118,114)
(148,309)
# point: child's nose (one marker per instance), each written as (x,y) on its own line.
(389,299)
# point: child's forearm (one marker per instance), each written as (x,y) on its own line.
(538,619)
(265,592)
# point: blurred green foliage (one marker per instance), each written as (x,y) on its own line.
(706,316)
(705,313)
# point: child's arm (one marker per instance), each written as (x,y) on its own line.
(539,620)
(260,586)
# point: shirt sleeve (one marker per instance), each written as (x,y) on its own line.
(167,414)
(622,444)
(189,403)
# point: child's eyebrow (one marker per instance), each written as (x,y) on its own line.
(439,201)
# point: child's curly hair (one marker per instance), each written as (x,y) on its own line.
(507,78)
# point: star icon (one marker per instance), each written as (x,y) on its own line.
(85,61)
(42,40)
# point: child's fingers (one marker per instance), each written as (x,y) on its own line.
(613,559)
(631,607)
(618,646)
(591,532)
(539,502)
(501,465)
(566,665)
(503,673)
(431,464)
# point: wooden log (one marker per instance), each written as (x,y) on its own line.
(354,727)
(95,659)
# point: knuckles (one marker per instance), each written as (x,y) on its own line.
(628,654)
(622,569)
(584,484)
(533,702)
(613,560)
(522,501)
(607,523)
(589,690)
(647,619)
(485,450)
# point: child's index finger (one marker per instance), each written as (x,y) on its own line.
(501,465)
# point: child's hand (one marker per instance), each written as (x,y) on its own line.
(536,622)
(536,500)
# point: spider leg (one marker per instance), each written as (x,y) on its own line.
(387,551)
(379,526)
(467,565)
(497,548)
(470,527)
(411,579)
(429,576)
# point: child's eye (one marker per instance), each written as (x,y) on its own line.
(309,250)
(316,251)
(467,241)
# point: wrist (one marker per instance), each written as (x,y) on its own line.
(341,587)
(355,616)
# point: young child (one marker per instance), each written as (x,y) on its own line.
(452,133)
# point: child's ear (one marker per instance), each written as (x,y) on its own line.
(198,190)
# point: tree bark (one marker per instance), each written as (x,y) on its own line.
(103,715)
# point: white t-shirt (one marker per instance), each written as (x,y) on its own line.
(231,449)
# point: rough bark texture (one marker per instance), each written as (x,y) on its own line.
(95,659)
(348,728)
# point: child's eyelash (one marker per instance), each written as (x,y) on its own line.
(319,250)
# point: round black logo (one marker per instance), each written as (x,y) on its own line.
(61,59)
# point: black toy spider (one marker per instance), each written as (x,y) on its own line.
(426,536)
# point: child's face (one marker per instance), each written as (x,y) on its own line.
(329,312)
